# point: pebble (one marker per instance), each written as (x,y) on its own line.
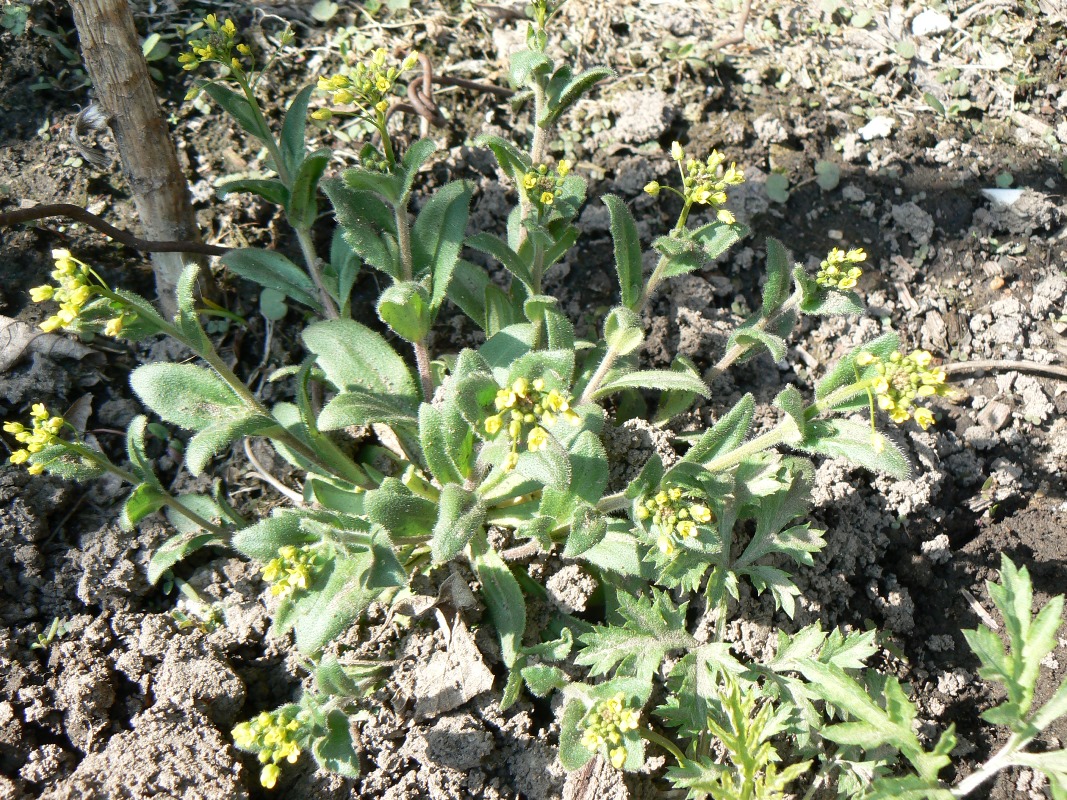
(930,22)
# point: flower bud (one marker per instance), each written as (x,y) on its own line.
(652,188)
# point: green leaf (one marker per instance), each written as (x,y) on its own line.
(212,440)
(447,443)
(336,600)
(302,209)
(498,249)
(399,510)
(185,395)
(370,181)
(542,679)
(437,235)
(618,552)
(564,242)
(344,266)
(468,289)
(145,499)
(549,466)
(652,627)
(355,406)
(238,108)
(841,438)
(414,157)
(293,126)
(461,515)
(505,347)
(273,270)
(573,92)
(777,187)
(336,750)
(262,540)
(716,238)
(776,289)
(627,250)
(588,529)
(501,310)
(365,220)
(206,507)
(175,549)
(726,435)
(513,161)
(792,403)
(589,467)
(187,319)
(504,599)
(752,337)
(405,307)
(673,402)
(354,356)
(271,190)
(526,62)
(623,331)
(653,379)
(573,755)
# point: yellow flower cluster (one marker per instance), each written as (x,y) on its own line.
(674,517)
(366,85)
(604,725)
(275,737)
(900,381)
(217,45)
(704,183)
(293,569)
(544,186)
(834,272)
(45,428)
(523,408)
(72,291)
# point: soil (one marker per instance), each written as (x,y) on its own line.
(127,701)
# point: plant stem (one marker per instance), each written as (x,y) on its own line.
(403,241)
(772,438)
(738,350)
(169,500)
(650,735)
(1000,760)
(540,136)
(613,502)
(267,136)
(307,247)
(612,353)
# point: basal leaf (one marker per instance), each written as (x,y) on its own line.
(185,395)
(353,355)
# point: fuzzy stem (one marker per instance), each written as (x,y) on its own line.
(613,502)
(268,137)
(738,350)
(772,438)
(307,247)
(403,241)
(169,500)
(650,735)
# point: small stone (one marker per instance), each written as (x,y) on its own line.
(877,128)
(930,22)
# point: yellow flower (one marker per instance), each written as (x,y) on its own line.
(529,180)
(35,469)
(537,439)
(40,294)
(652,188)
(114,326)
(563,168)
(924,417)
(547,198)
(725,217)
(19,456)
(493,425)
(269,776)
(618,757)
(409,62)
(677,153)
(38,411)
(14,427)
(212,22)
(382,83)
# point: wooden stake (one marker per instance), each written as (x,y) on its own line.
(112,53)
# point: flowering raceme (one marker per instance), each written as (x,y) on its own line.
(523,409)
(703,183)
(43,431)
(834,272)
(901,381)
(366,86)
(275,736)
(294,569)
(604,725)
(73,290)
(674,516)
(217,45)
(542,185)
